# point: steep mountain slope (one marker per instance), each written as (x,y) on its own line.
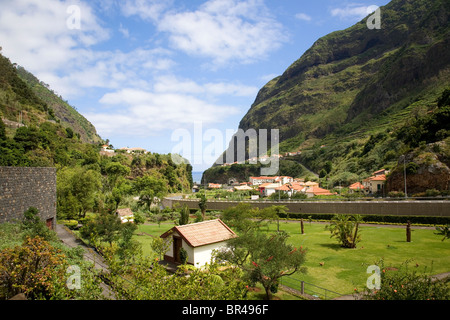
(40,129)
(349,76)
(346,97)
(25,99)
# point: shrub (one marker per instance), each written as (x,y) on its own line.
(33,226)
(34,269)
(183,255)
(407,284)
(71,224)
(396,194)
(432,193)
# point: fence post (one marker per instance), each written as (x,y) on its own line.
(302,287)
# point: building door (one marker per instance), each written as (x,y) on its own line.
(49,223)
(177,244)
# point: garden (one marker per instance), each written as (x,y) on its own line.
(344,270)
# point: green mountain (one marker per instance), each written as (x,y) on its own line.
(345,102)
(40,129)
(26,99)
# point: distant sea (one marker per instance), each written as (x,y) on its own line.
(197,176)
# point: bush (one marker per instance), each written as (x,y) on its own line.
(39,265)
(427,220)
(407,284)
(183,255)
(71,224)
(396,194)
(33,226)
(432,193)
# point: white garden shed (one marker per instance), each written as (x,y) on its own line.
(198,239)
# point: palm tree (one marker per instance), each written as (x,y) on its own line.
(345,228)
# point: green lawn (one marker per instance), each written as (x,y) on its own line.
(345,269)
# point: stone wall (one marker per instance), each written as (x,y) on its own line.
(24,187)
(435,208)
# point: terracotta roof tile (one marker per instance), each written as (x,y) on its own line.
(203,233)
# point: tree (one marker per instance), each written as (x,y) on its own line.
(443,231)
(202,204)
(275,212)
(3,131)
(208,283)
(184,215)
(85,186)
(79,183)
(149,188)
(105,226)
(267,263)
(160,246)
(128,249)
(114,170)
(242,217)
(345,228)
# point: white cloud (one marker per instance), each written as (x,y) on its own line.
(225,31)
(145,9)
(171,103)
(124,31)
(303,16)
(353,11)
(36,33)
(141,113)
(211,89)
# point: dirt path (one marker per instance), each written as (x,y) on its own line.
(69,239)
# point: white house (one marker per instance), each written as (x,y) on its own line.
(266,189)
(198,239)
(256,181)
(125,215)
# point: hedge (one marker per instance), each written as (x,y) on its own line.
(427,220)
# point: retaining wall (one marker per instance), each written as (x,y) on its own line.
(25,187)
(435,208)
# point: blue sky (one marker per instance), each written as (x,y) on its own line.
(144,71)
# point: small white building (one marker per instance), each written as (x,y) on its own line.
(198,239)
(266,189)
(125,215)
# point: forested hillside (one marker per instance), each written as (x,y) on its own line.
(39,129)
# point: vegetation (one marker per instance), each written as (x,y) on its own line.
(260,264)
(35,263)
(345,229)
(405,283)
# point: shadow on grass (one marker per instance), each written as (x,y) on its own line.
(333,246)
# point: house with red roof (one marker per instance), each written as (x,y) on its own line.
(356,187)
(199,240)
(375,183)
(312,191)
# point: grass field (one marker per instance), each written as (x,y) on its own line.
(343,270)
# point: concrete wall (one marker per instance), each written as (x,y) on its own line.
(435,208)
(24,187)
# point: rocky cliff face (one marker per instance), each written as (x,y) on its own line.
(426,168)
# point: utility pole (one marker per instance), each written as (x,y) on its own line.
(404,174)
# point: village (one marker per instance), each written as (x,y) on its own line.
(296,188)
